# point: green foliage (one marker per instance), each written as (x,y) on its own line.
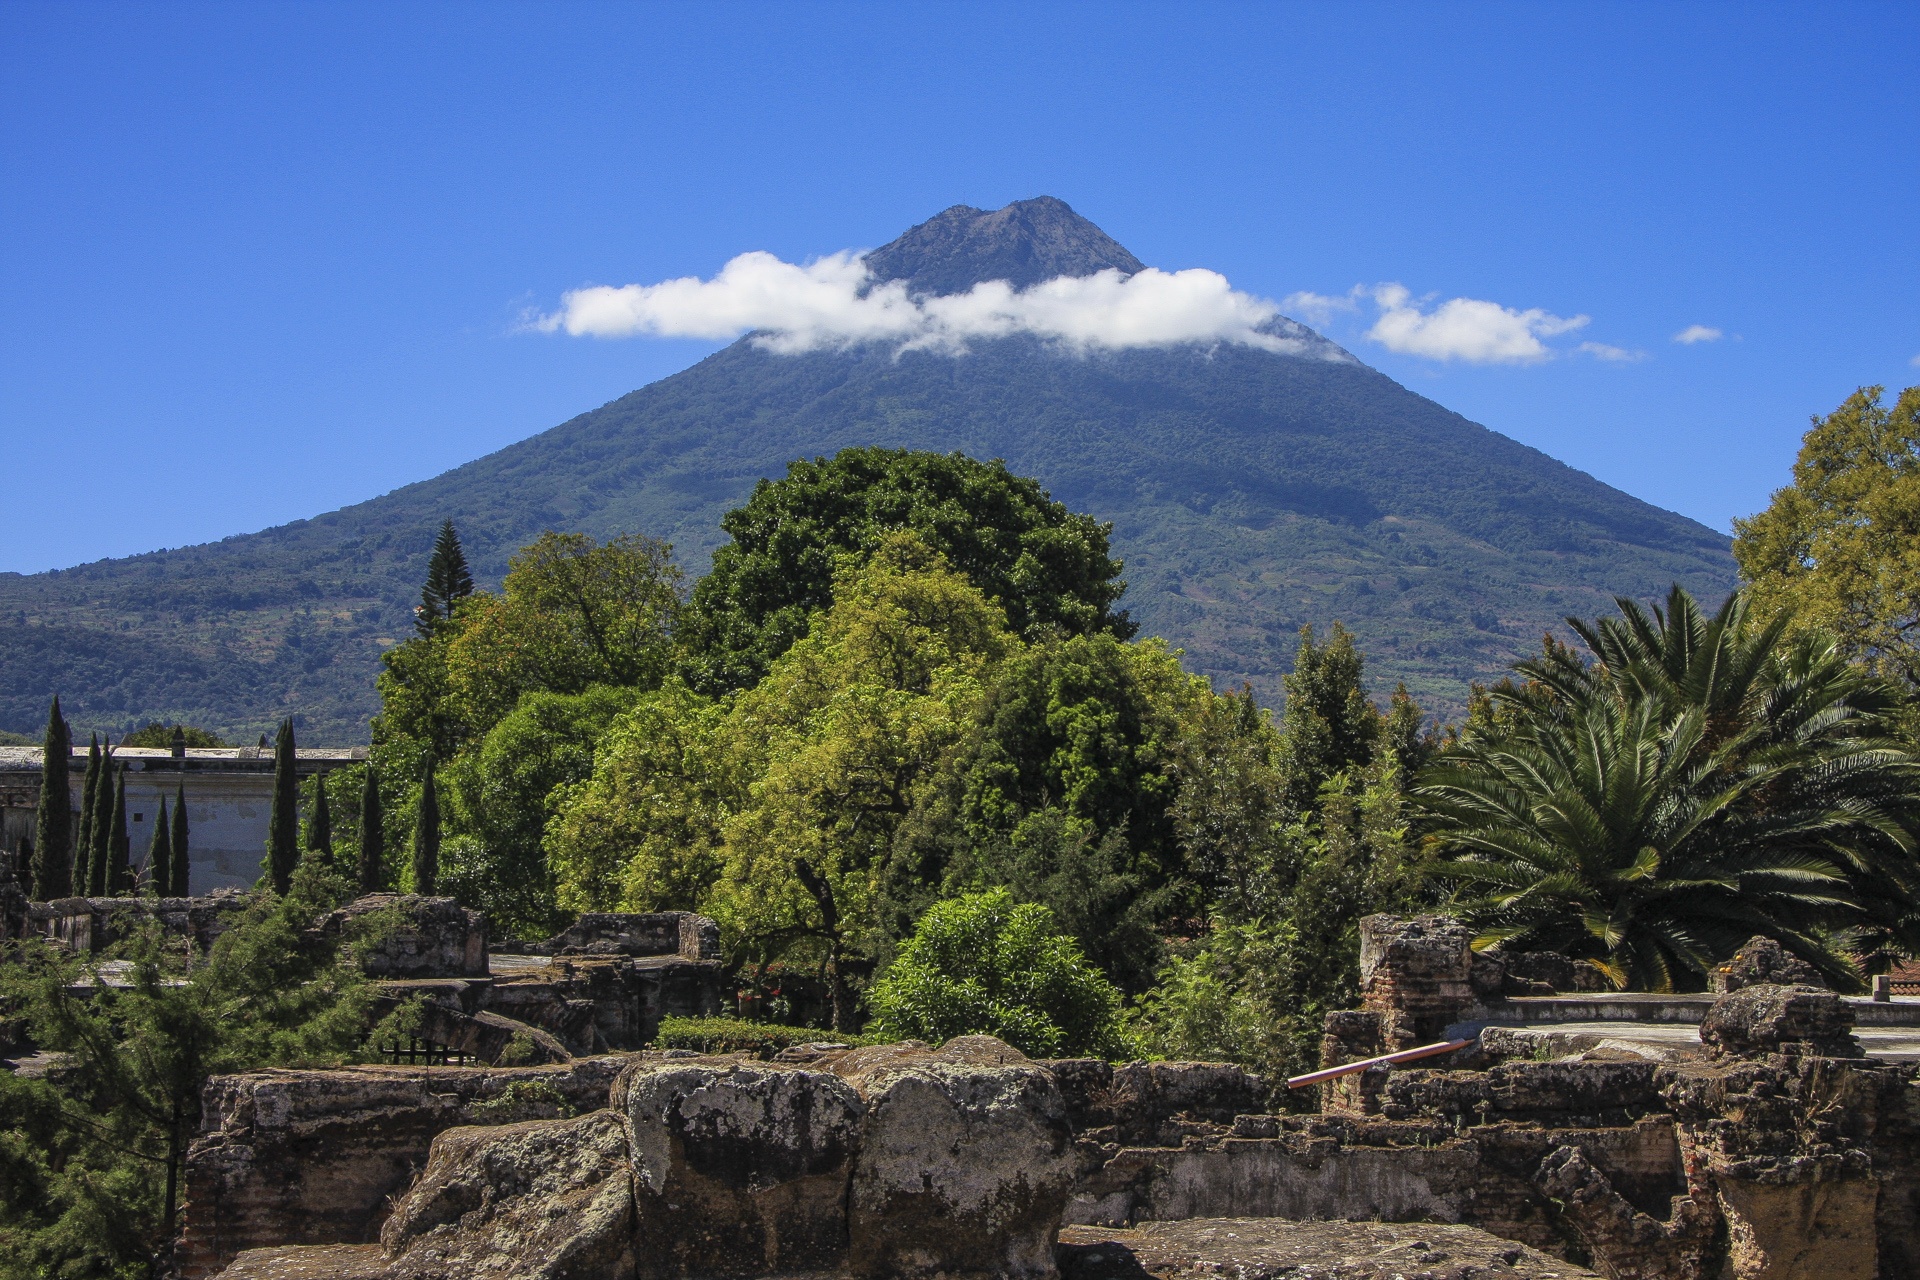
(426,833)
(180,842)
(735,1035)
(319,843)
(1047,567)
(448,580)
(53,819)
(982,964)
(160,854)
(498,803)
(119,873)
(155,734)
(1838,550)
(522,1100)
(1707,780)
(90,1157)
(370,867)
(283,815)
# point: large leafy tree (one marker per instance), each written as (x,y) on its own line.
(498,801)
(1704,780)
(1048,567)
(1838,550)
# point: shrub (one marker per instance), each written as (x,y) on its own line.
(982,964)
(737,1035)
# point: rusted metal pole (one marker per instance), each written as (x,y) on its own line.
(1384,1060)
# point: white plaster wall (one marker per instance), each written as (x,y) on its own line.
(226,824)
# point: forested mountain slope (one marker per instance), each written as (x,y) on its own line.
(1250,493)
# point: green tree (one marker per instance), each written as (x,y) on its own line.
(319,822)
(182,866)
(160,854)
(982,964)
(119,879)
(53,819)
(448,581)
(571,613)
(283,814)
(371,869)
(1708,780)
(90,1157)
(155,734)
(426,833)
(100,857)
(1047,567)
(498,797)
(645,831)
(842,737)
(1329,723)
(1838,550)
(89,796)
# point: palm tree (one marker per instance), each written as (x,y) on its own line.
(1702,782)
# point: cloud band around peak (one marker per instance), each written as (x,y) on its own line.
(833,303)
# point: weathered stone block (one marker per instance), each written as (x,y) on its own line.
(1772,1019)
(1763,961)
(962,1171)
(313,1157)
(433,937)
(738,1168)
(540,1200)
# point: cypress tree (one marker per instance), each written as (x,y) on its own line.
(100,856)
(373,835)
(181,866)
(83,845)
(448,579)
(426,833)
(283,819)
(53,823)
(160,855)
(119,846)
(320,824)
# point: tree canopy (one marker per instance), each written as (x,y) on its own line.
(1838,550)
(1048,567)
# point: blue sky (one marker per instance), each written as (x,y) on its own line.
(260,261)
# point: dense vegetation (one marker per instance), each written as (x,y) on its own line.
(90,1153)
(1249,493)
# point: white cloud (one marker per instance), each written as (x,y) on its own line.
(1698,333)
(1466,329)
(1605,351)
(833,303)
(1915,362)
(1319,307)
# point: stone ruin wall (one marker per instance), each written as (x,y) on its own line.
(1779,1152)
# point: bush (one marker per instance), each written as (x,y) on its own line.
(736,1035)
(982,964)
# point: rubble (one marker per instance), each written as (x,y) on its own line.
(1762,960)
(1773,1151)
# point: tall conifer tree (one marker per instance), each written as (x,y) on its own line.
(160,855)
(373,836)
(119,841)
(52,872)
(83,843)
(283,819)
(320,824)
(448,579)
(426,833)
(181,866)
(100,856)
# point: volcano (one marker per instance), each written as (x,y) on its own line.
(1250,491)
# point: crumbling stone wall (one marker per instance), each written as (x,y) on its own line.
(295,1157)
(431,937)
(93,924)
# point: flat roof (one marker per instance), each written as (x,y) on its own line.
(27,759)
